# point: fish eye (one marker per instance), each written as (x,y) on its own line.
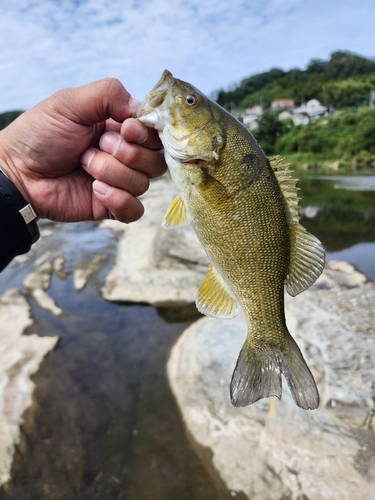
(191,100)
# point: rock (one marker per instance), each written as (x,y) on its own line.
(86,269)
(45,301)
(38,281)
(58,267)
(272,449)
(20,357)
(153,265)
(40,278)
(339,274)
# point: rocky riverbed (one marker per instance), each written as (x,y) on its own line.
(273,449)
(269,450)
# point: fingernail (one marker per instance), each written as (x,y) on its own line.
(101,188)
(110,143)
(87,157)
(143,134)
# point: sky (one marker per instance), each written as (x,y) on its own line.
(46,45)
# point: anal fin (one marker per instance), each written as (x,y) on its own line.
(214,299)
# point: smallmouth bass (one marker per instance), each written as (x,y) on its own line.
(244,210)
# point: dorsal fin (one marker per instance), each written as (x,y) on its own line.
(307,256)
(288,186)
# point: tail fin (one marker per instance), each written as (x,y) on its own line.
(258,375)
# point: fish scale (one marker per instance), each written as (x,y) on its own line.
(244,210)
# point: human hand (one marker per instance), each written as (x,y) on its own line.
(51,153)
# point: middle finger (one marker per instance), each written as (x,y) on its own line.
(136,156)
(106,168)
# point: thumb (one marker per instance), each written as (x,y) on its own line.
(94,102)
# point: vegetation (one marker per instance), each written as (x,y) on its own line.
(8,117)
(343,81)
(345,140)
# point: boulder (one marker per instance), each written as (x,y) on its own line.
(273,449)
(153,265)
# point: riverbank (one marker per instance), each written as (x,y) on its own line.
(102,416)
(273,449)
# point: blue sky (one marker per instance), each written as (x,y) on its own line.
(50,44)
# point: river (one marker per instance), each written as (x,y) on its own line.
(104,424)
(340,211)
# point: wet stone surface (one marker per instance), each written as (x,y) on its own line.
(103,422)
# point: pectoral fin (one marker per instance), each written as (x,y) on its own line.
(214,299)
(176,215)
(307,260)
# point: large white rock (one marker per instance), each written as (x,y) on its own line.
(20,357)
(272,449)
(153,265)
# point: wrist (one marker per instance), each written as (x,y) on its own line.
(14,206)
(11,167)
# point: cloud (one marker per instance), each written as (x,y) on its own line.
(50,44)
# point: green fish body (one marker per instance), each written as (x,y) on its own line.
(244,210)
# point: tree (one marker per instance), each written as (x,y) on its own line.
(7,117)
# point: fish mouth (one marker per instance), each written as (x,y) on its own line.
(156,96)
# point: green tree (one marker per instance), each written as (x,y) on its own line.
(7,117)
(269,129)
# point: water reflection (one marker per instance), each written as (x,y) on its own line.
(104,424)
(340,211)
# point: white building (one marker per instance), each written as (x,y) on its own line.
(311,109)
(250,119)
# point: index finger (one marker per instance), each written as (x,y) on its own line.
(132,130)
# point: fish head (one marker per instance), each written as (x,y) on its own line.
(183,117)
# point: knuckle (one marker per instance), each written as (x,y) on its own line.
(138,183)
(100,165)
(113,86)
(144,183)
(159,166)
(126,208)
(128,153)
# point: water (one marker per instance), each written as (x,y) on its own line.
(104,424)
(103,418)
(340,211)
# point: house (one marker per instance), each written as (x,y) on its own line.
(282,104)
(250,119)
(312,109)
(303,114)
(255,110)
(298,118)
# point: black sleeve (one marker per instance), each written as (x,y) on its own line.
(15,239)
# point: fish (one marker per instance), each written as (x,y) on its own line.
(243,207)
